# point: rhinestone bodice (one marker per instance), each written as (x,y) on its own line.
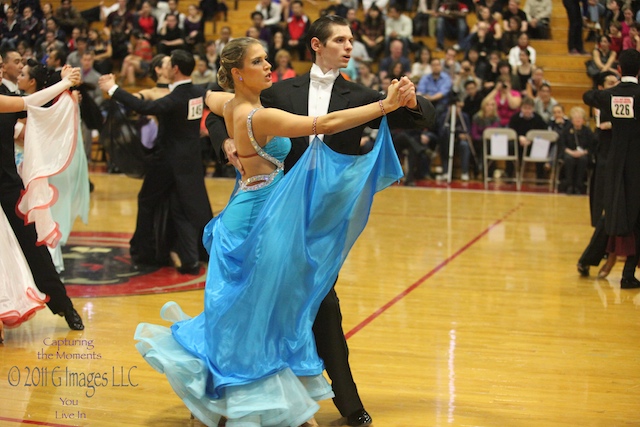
(274,151)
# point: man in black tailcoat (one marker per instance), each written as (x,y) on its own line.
(179,172)
(622,173)
(316,93)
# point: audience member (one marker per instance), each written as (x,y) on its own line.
(281,69)
(507,100)
(513,9)
(472,101)
(277,43)
(523,44)
(9,30)
(75,58)
(398,26)
(68,17)
(450,64)
(544,103)
(30,26)
(523,71)
(538,13)
(535,82)
(136,63)
(485,118)
(481,39)
(451,22)
(380,4)
(422,65)
(170,37)
(510,36)
(173,10)
(120,24)
(366,77)
(373,32)
(436,87)
(264,33)
(296,30)
(194,30)
(522,123)
(101,47)
(615,37)
(395,55)
(272,13)
(603,59)
(145,22)
(354,22)
(632,41)
(575,142)
(202,74)
(460,80)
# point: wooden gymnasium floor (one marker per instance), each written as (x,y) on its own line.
(462,308)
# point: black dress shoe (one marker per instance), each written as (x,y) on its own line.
(583,270)
(359,418)
(73,319)
(630,283)
(193,269)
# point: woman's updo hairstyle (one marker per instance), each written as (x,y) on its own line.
(40,73)
(232,56)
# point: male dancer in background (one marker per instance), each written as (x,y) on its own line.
(622,174)
(178,171)
(321,91)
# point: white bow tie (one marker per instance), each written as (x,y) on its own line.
(316,76)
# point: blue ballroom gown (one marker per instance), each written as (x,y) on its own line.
(275,252)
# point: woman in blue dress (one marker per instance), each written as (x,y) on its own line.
(250,357)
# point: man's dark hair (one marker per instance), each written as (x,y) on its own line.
(602,77)
(184,61)
(5,53)
(629,62)
(256,13)
(322,30)
(61,55)
(470,82)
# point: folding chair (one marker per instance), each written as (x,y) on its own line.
(541,150)
(500,144)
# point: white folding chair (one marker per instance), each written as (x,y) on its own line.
(542,149)
(500,144)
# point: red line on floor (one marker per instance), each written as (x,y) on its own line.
(37,423)
(420,281)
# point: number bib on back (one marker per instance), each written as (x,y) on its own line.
(195,109)
(622,107)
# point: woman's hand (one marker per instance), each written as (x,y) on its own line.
(393,100)
(71,74)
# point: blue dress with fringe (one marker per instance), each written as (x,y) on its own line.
(275,252)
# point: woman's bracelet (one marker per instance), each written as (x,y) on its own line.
(315,122)
(384,113)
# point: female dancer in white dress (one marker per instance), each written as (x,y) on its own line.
(20,298)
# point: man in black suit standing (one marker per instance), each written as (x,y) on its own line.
(318,92)
(622,175)
(179,169)
(38,257)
